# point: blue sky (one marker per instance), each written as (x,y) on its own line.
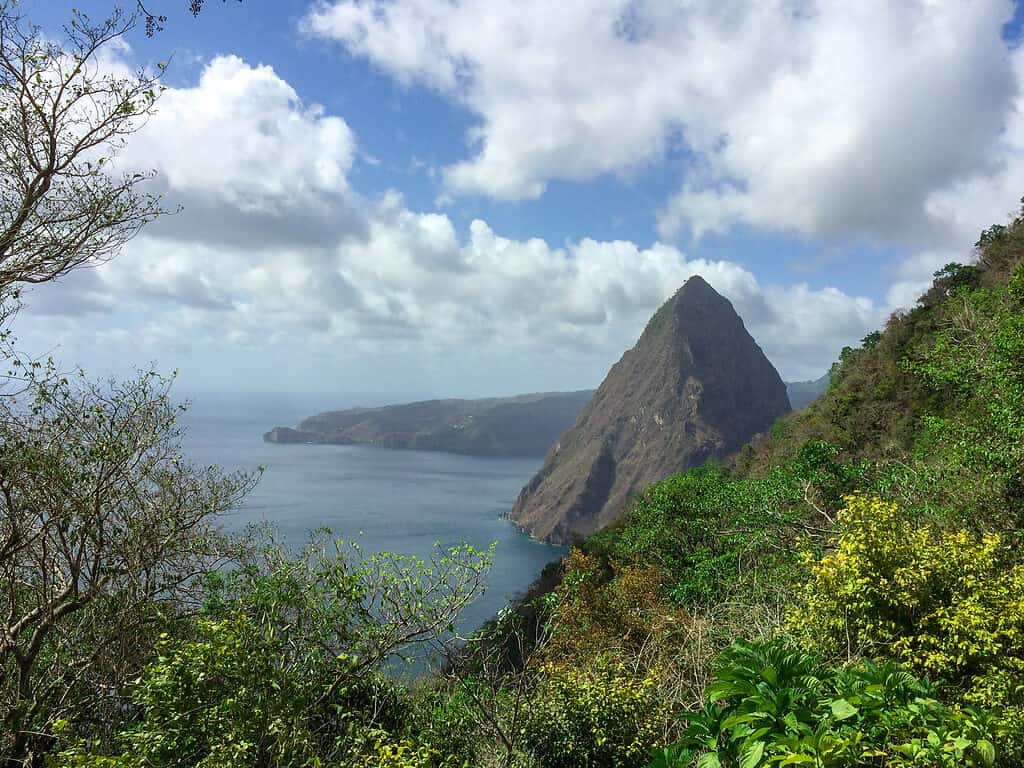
(442,197)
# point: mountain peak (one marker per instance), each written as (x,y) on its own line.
(695,386)
(697,293)
(694,284)
(692,307)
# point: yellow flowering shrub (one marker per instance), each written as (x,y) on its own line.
(599,715)
(946,603)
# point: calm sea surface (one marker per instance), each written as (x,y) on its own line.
(399,501)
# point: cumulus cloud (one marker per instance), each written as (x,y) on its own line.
(249,161)
(415,281)
(244,155)
(815,117)
(960,211)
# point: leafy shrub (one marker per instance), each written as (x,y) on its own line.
(705,531)
(595,612)
(944,602)
(947,603)
(627,617)
(214,702)
(594,716)
(1015,287)
(402,753)
(773,705)
(284,668)
(442,718)
(975,363)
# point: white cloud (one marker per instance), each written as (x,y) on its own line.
(246,156)
(829,118)
(244,137)
(415,282)
(960,211)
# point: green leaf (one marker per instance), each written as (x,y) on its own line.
(720,690)
(709,760)
(797,760)
(752,754)
(986,751)
(749,717)
(843,710)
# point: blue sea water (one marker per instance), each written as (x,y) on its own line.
(386,500)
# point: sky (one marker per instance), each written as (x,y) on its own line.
(394,199)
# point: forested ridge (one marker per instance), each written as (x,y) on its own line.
(844,591)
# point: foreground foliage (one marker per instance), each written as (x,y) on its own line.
(283,666)
(601,716)
(948,604)
(102,529)
(774,705)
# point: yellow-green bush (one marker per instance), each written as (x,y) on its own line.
(400,754)
(597,716)
(949,604)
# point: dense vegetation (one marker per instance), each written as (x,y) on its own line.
(847,591)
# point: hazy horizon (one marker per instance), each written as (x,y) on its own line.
(416,200)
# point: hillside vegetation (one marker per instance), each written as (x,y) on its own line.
(845,592)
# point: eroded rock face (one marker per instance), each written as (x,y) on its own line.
(696,385)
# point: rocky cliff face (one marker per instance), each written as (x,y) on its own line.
(695,386)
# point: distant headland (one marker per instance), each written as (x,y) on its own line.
(522,425)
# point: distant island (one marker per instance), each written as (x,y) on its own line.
(522,425)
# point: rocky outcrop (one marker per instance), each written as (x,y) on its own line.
(696,385)
(289,435)
(523,425)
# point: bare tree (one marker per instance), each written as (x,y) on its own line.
(64,114)
(495,671)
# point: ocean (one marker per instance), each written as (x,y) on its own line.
(386,500)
